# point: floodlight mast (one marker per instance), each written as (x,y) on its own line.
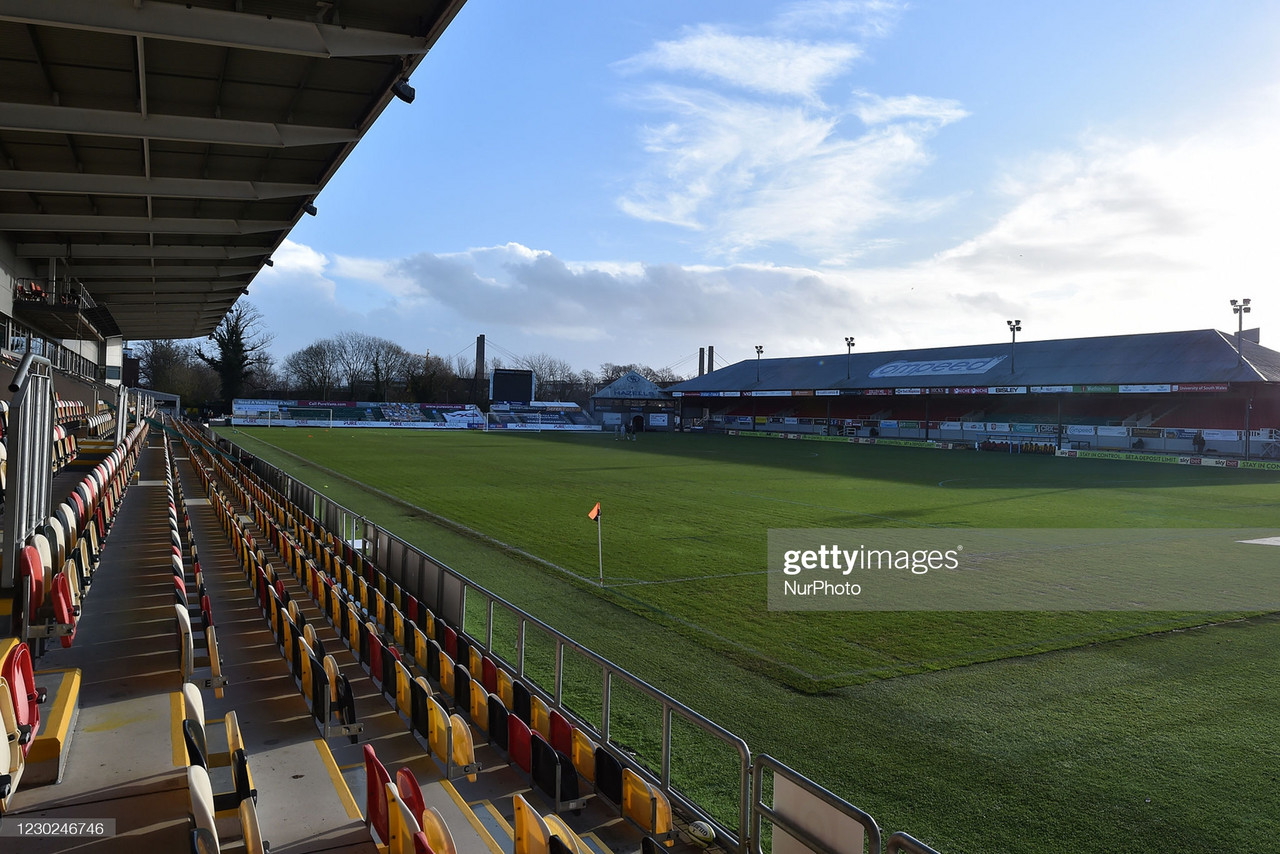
(1241,308)
(848,342)
(1015,326)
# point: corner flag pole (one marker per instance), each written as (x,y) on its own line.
(596,515)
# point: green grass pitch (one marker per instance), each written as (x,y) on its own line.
(1152,736)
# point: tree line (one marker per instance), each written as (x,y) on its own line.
(234,362)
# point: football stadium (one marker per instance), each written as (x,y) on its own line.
(996,597)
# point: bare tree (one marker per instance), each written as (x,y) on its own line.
(388,364)
(354,357)
(172,366)
(314,368)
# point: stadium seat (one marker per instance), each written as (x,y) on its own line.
(461,687)
(608,773)
(560,831)
(464,750)
(411,793)
(519,743)
(554,774)
(498,732)
(437,832)
(478,708)
(583,752)
(488,675)
(377,779)
(561,732)
(16,670)
(539,716)
(521,702)
(531,833)
(404,691)
(12,754)
(505,689)
(645,805)
(419,710)
(401,821)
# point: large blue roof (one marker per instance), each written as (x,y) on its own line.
(1198,356)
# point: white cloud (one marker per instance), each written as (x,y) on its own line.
(767,163)
(864,18)
(875,110)
(765,64)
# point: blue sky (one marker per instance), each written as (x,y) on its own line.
(625,182)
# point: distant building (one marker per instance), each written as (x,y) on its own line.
(633,400)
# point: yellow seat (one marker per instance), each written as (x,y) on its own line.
(464,749)
(438,729)
(438,835)
(531,832)
(557,828)
(583,754)
(446,673)
(403,823)
(540,715)
(404,694)
(506,692)
(644,804)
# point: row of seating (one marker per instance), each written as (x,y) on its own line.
(58,560)
(66,413)
(64,447)
(240,800)
(199,660)
(98,426)
(399,640)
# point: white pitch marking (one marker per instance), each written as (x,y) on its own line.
(1265,541)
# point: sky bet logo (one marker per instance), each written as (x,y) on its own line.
(918,561)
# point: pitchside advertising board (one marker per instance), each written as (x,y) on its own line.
(250,412)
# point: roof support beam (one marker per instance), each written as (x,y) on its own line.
(157,271)
(102,290)
(78,183)
(136,224)
(160,300)
(72,251)
(212,26)
(42,118)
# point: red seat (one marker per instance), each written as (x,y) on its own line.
(411,793)
(31,566)
(17,671)
(561,733)
(376,811)
(376,649)
(489,675)
(520,743)
(451,643)
(63,609)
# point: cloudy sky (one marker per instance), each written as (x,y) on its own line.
(627,182)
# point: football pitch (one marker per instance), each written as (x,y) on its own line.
(1134,725)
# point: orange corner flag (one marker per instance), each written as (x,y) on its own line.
(595,512)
